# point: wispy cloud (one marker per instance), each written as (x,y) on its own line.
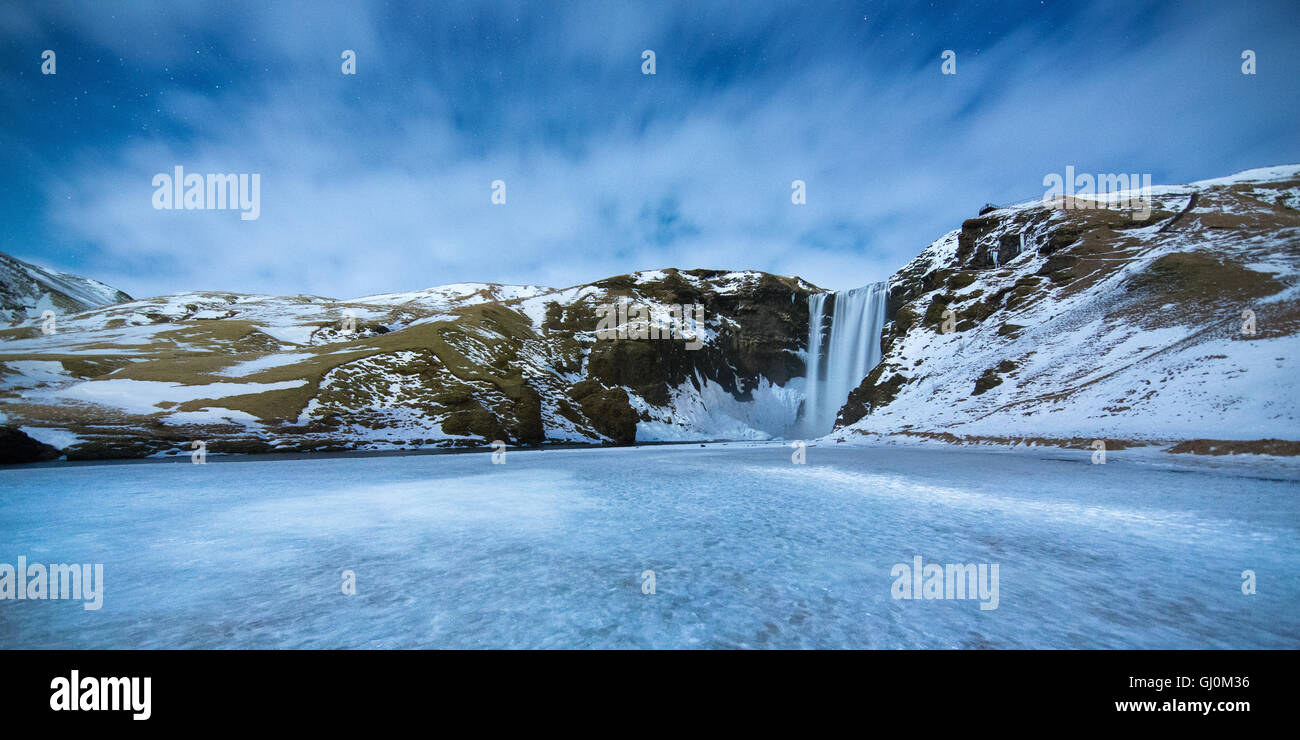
(381,181)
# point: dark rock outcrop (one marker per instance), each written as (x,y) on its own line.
(16,447)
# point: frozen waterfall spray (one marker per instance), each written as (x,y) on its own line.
(838,363)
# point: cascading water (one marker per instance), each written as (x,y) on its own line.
(837,365)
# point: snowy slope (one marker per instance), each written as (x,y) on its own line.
(451,365)
(1102,327)
(27,291)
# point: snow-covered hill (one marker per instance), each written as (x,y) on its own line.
(1102,326)
(459,364)
(1030,322)
(28,291)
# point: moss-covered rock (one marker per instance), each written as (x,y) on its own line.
(871,394)
(1056,263)
(476,421)
(938,304)
(986,381)
(1061,238)
(971,231)
(1193,276)
(960,280)
(991,378)
(527,427)
(608,409)
(115,448)
(976,312)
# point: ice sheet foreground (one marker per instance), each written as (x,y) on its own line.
(748,550)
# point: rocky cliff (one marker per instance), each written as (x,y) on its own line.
(1080,320)
(1063,321)
(451,366)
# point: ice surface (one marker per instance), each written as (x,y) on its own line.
(748,549)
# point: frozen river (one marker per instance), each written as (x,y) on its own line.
(747,550)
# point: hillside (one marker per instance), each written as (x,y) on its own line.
(1027,323)
(1103,326)
(455,365)
(27,291)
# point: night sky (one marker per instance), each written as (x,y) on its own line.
(382,181)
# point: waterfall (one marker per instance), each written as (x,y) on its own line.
(837,365)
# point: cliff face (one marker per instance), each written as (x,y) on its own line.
(1103,325)
(1028,322)
(455,365)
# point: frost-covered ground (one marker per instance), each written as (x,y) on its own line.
(748,549)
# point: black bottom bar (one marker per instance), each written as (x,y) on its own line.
(208,689)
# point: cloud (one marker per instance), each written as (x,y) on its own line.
(382,181)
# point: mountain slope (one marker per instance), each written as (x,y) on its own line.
(1103,327)
(455,365)
(27,291)
(1029,322)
